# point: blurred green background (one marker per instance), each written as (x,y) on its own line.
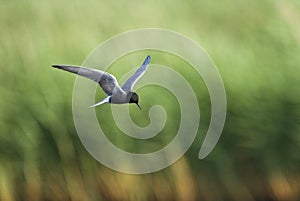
(255,45)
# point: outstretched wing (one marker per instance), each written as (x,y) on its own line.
(106,81)
(139,73)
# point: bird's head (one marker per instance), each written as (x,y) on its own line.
(134,98)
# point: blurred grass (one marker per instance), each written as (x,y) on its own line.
(255,45)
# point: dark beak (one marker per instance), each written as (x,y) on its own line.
(139,106)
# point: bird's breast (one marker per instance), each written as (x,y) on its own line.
(119,98)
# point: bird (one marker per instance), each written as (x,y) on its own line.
(109,83)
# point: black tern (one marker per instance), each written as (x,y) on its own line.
(109,84)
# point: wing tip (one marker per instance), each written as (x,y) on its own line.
(147,60)
(55,66)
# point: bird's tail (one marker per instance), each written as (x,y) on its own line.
(105,100)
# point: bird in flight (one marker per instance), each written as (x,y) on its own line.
(109,84)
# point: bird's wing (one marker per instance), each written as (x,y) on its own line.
(139,73)
(106,81)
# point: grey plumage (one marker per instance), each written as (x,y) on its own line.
(109,83)
(128,85)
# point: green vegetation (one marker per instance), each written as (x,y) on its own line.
(255,45)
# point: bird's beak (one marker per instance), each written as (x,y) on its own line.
(139,106)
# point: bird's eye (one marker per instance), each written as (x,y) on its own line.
(134,97)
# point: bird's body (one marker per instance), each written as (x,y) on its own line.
(109,84)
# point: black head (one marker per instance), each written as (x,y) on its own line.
(134,98)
